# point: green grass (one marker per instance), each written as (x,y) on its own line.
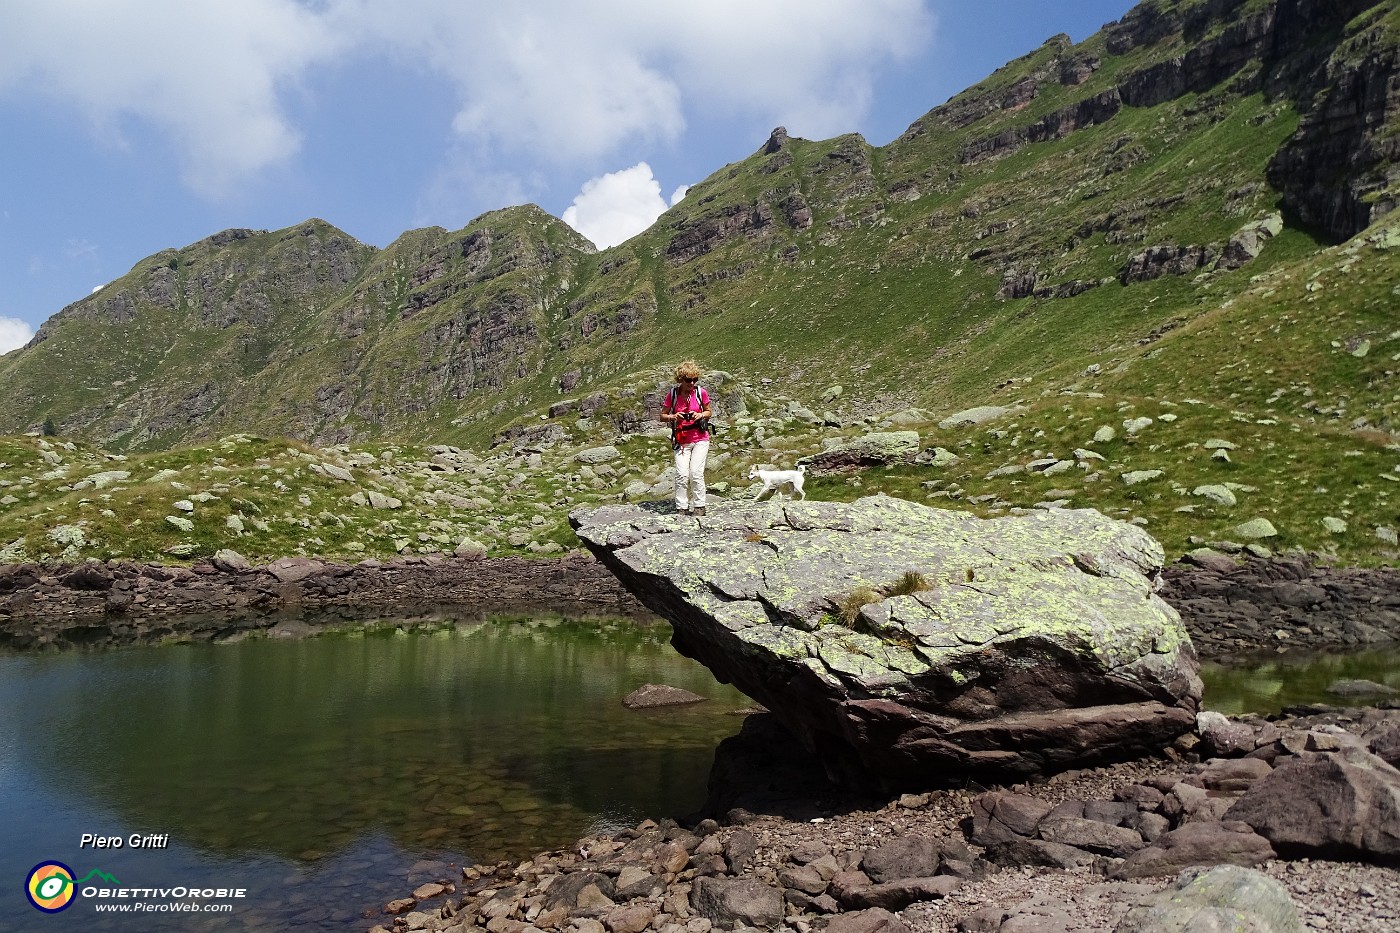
(436,340)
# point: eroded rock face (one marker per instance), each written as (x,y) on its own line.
(1036,644)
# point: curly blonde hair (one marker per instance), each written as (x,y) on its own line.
(688,370)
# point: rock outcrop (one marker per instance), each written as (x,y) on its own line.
(920,646)
(97,604)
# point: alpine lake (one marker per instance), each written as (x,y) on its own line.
(327,775)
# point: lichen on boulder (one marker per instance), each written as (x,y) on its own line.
(920,646)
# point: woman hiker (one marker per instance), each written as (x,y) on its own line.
(686,409)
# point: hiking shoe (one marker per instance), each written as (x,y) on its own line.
(700,511)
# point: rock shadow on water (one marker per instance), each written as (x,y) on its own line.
(765,770)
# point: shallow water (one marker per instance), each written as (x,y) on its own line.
(329,775)
(317,773)
(1268,684)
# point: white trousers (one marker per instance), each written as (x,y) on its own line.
(690,475)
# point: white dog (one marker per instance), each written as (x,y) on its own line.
(775,480)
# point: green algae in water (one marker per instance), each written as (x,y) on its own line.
(492,740)
(1268,684)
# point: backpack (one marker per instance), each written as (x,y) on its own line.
(705,424)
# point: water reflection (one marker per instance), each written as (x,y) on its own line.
(484,741)
(1268,684)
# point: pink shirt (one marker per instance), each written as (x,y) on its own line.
(678,399)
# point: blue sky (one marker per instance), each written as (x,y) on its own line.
(131,126)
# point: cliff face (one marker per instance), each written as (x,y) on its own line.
(1134,169)
(303,331)
(1340,171)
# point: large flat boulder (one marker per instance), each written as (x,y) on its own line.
(1021,646)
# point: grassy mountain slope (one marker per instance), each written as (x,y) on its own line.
(1080,195)
(1187,214)
(1283,387)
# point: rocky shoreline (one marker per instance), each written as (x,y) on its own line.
(1301,812)
(777,846)
(1299,809)
(1229,606)
(115,603)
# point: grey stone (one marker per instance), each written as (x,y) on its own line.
(1136,425)
(1254,528)
(107,478)
(568,890)
(469,549)
(1223,898)
(229,560)
(336,472)
(598,454)
(755,594)
(1220,494)
(1202,843)
(1359,688)
(906,857)
(1222,735)
(1116,841)
(294,569)
(725,902)
(380,501)
(1343,804)
(869,449)
(980,415)
(650,696)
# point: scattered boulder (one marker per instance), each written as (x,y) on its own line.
(726,902)
(1255,528)
(1032,643)
(979,415)
(1222,495)
(871,449)
(1248,242)
(230,561)
(602,454)
(1226,897)
(1206,842)
(1343,805)
(294,569)
(1136,425)
(650,696)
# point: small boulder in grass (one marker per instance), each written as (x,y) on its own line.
(650,696)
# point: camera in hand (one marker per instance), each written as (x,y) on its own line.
(692,419)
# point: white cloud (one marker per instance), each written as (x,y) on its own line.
(618,206)
(564,81)
(14,334)
(552,82)
(678,194)
(205,75)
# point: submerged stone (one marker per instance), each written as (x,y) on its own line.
(650,696)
